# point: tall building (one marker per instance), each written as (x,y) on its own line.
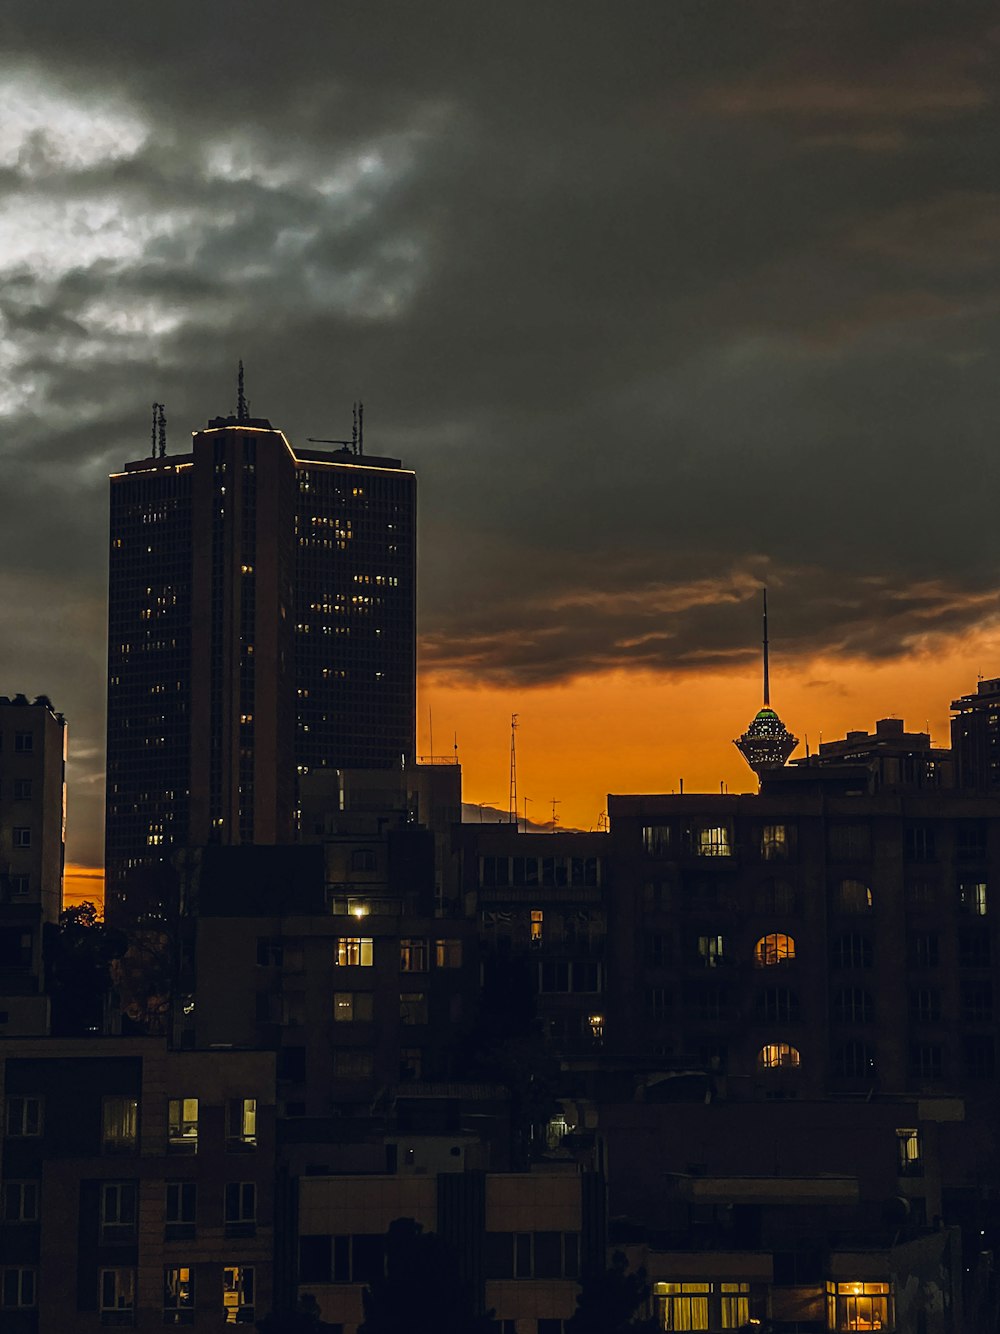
(975,737)
(32,854)
(261,625)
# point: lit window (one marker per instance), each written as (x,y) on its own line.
(773,949)
(713,841)
(118,1211)
(24,1117)
(412,955)
(972,897)
(777,1056)
(353,1007)
(182,1122)
(447,954)
(908,1152)
(117,1289)
(19,1202)
(682,1306)
(656,840)
(354,952)
(241,1131)
(178,1295)
(18,1288)
(238,1294)
(857,1306)
(734,1305)
(537,924)
(775,843)
(854,896)
(710,950)
(119,1125)
(595,1026)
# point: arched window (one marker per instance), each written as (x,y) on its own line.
(778,1056)
(776,896)
(855,1060)
(772,949)
(854,896)
(852,951)
(852,1005)
(778,1004)
(363,859)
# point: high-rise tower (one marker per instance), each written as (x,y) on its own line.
(261,624)
(767,742)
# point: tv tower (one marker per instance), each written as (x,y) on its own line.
(767,742)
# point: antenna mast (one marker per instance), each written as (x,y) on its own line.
(242,411)
(152,434)
(161,430)
(512,806)
(767,684)
(361,427)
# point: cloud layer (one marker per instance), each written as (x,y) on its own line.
(661,301)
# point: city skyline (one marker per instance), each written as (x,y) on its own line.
(693,304)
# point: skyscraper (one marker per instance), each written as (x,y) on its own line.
(261,624)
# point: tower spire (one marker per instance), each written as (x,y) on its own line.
(767,683)
(512,807)
(767,742)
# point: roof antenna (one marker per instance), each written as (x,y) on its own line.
(242,411)
(152,434)
(767,683)
(361,427)
(161,430)
(354,429)
(512,808)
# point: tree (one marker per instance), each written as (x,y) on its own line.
(421,1292)
(80,956)
(609,1302)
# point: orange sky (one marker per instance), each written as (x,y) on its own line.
(642,732)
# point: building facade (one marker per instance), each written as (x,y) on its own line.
(261,626)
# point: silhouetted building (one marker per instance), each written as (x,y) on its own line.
(975,737)
(767,742)
(261,625)
(32,855)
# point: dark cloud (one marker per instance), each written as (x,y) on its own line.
(660,300)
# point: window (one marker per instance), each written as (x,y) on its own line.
(972,897)
(413,956)
(532,1254)
(241,1128)
(537,925)
(922,949)
(854,896)
(656,840)
(447,954)
(734,1305)
(270,952)
(852,951)
(980,1056)
(773,949)
(182,1125)
(921,893)
(363,859)
(349,1064)
(24,743)
(970,839)
(710,950)
(241,1209)
(118,1211)
(926,1060)
(925,1005)
(977,1002)
(852,1005)
(18,1288)
(119,1125)
(413,1007)
(352,1007)
(849,842)
(22,837)
(778,1004)
(706,1002)
(682,1306)
(974,948)
(178,1295)
(908,1162)
(658,1001)
(19,1202)
(117,1291)
(857,1306)
(24,1117)
(855,1060)
(525,870)
(494,872)
(238,1294)
(918,842)
(709,840)
(22,789)
(354,952)
(180,1210)
(776,842)
(776,896)
(19,885)
(657,948)
(778,1056)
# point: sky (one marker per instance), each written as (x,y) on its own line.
(662,301)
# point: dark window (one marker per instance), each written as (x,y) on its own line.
(977,1001)
(919,842)
(367,1257)
(849,842)
(656,840)
(363,859)
(855,1060)
(658,1002)
(970,840)
(925,1005)
(926,1060)
(315,1260)
(24,743)
(657,947)
(974,948)
(270,951)
(852,951)
(852,1005)
(980,1056)
(922,949)
(778,1004)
